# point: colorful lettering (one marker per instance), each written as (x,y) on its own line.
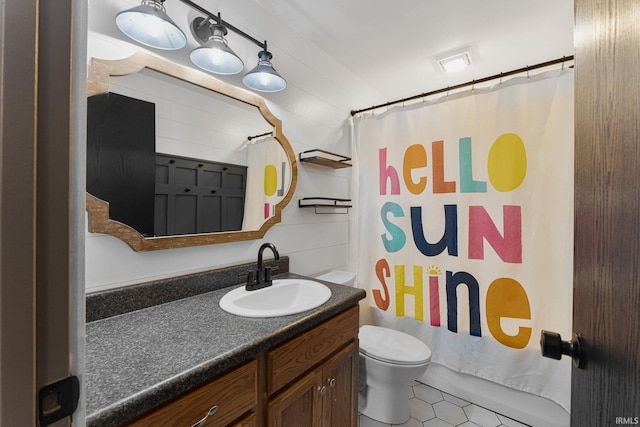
(449,240)
(415,157)
(387,173)
(467,183)
(382,299)
(398,238)
(452,283)
(439,184)
(507,162)
(507,298)
(416,290)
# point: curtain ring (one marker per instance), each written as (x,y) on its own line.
(527,72)
(447,92)
(501,78)
(562,69)
(473,86)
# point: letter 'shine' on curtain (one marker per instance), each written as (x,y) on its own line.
(465,208)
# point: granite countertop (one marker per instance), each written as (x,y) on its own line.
(141,359)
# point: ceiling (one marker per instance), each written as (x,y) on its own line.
(357,53)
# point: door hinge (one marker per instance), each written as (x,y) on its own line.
(58,400)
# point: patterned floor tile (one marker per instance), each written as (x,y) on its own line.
(482,417)
(437,422)
(508,422)
(411,423)
(421,410)
(431,407)
(428,394)
(449,412)
(455,400)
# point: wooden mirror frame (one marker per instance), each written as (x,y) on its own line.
(101,71)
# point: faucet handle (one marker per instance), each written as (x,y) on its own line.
(251,278)
(267,274)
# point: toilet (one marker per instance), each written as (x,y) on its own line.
(389,361)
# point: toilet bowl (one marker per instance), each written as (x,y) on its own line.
(389,361)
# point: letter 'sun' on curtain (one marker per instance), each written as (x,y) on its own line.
(463,227)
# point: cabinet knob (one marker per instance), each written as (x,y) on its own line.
(332,382)
(211,411)
(322,390)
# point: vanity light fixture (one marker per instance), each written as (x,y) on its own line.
(213,55)
(150,25)
(264,77)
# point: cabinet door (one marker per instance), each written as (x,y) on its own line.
(340,375)
(198,196)
(300,404)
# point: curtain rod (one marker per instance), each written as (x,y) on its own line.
(471,83)
(249,138)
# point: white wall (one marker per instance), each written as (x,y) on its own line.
(314,242)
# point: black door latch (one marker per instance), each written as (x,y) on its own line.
(58,400)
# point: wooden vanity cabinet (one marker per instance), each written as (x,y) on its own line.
(311,381)
(326,397)
(249,421)
(234,394)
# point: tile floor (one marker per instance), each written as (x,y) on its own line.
(433,408)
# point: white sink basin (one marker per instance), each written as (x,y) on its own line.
(284,297)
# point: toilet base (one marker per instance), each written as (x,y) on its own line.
(388,405)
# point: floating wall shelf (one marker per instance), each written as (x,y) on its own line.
(325,204)
(325,158)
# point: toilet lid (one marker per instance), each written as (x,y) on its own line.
(389,345)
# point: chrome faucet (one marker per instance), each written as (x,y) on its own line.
(261,278)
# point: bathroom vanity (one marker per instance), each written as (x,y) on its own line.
(174,363)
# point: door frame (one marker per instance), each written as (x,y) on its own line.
(43,122)
(17,212)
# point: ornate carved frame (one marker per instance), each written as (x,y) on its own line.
(101,71)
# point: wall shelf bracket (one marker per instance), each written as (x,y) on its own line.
(325,205)
(325,158)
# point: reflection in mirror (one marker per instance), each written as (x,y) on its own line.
(206,156)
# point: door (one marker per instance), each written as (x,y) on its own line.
(607,213)
(60,164)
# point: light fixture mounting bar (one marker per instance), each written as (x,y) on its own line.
(220,21)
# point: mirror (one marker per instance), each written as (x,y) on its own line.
(250,132)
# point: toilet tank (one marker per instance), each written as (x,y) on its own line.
(340,277)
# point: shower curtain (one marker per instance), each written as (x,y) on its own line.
(268,177)
(463,226)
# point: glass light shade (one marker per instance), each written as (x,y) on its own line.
(455,63)
(215,56)
(264,77)
(150,25)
